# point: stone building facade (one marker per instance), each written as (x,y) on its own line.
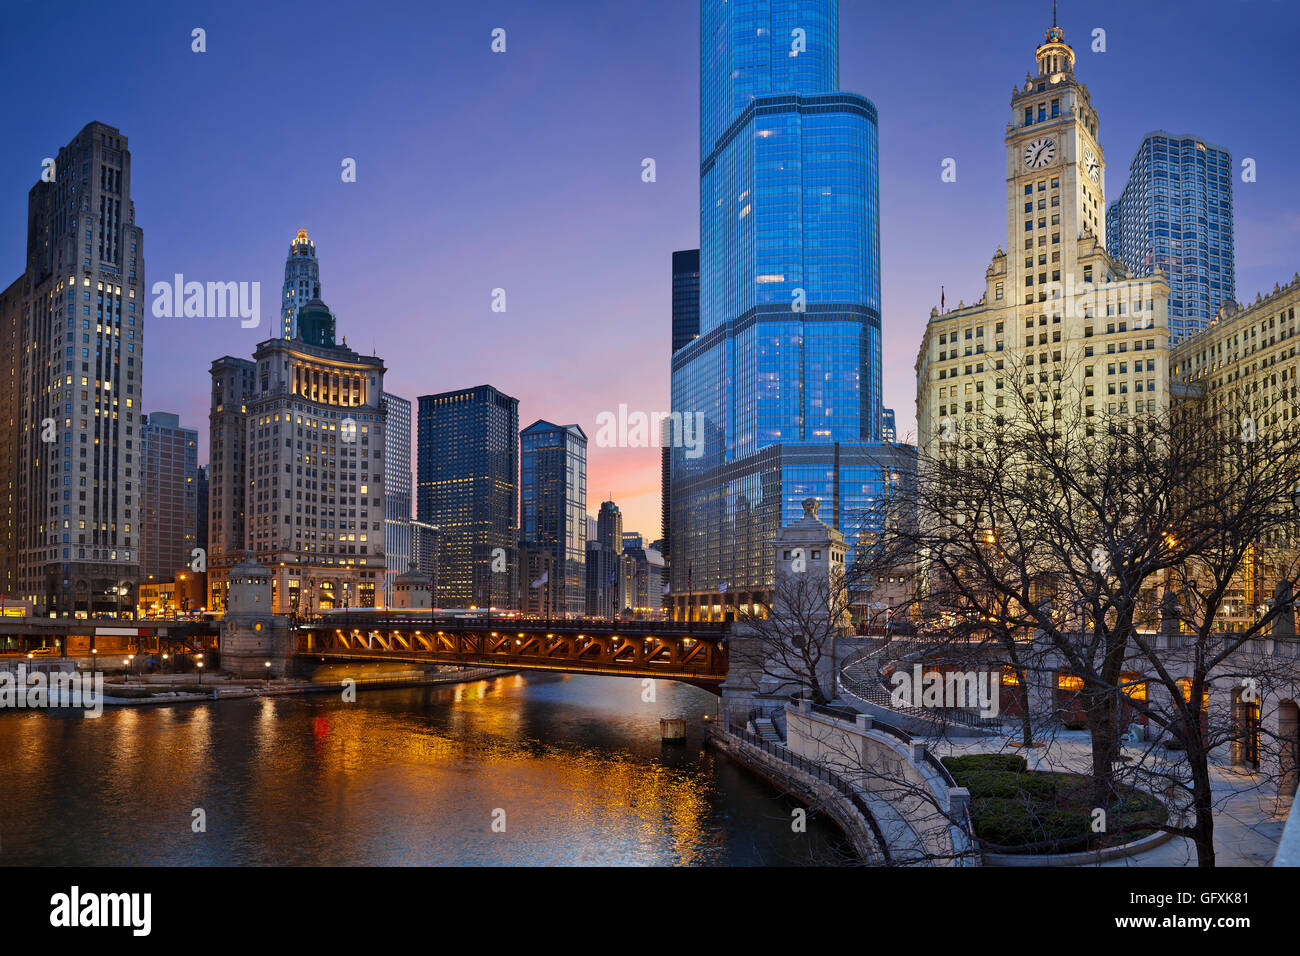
(297,470)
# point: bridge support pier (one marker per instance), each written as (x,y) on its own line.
(254,642)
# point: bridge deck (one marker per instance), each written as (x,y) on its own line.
(685,651)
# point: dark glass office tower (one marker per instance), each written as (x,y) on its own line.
(553,506)
(686,328)
(467,477)
(1175,214)
(686,297)
(786,368)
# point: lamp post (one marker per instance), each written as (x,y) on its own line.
(268,674)
(200,667)
(126,667)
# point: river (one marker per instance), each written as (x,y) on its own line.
(535,770)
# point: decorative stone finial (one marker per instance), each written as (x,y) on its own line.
(810,506)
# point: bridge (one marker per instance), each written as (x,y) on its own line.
(72,636)
(687,651)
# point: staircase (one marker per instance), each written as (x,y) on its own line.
(877,693)
(766,730)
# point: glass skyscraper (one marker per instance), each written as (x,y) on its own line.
(397,490)
(553,506)
(467,487)
(686,329)
(686,297)
(786,367)
(1175,214)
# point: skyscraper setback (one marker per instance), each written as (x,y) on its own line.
(72,330)
(786,366)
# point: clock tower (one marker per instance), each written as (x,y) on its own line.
(1059,321)
(1056,171)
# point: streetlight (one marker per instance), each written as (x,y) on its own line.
(126,665)
(268,673)
(200,667)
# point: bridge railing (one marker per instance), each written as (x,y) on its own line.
(649,628)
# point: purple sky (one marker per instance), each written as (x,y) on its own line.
(523,170)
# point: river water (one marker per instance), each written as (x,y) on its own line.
(536,770)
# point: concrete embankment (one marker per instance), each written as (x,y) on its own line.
(806,788)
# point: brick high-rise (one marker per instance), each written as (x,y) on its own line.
(169,496)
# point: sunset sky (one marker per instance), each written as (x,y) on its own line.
(522,170)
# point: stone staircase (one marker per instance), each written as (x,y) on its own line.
(765,729)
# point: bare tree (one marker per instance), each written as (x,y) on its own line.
(795,644)
(1048,533)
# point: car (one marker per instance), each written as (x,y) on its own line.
(44,652)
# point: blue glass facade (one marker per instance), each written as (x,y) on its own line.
(1175,214)
(553,506)
(789,346)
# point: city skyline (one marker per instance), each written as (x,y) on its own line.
(518,182)
(714,433)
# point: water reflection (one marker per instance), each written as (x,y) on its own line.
(573,765)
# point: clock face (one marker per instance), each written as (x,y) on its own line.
(1039,153)
(1092,165)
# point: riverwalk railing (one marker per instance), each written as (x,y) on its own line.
(874,691)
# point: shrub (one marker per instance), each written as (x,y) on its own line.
(1045,811)
(995,763)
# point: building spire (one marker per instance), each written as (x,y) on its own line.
(1053,12)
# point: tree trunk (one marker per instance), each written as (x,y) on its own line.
(1026,722)
(1103,724)
(1202,805)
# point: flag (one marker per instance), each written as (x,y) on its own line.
(941,298)
(542,580)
